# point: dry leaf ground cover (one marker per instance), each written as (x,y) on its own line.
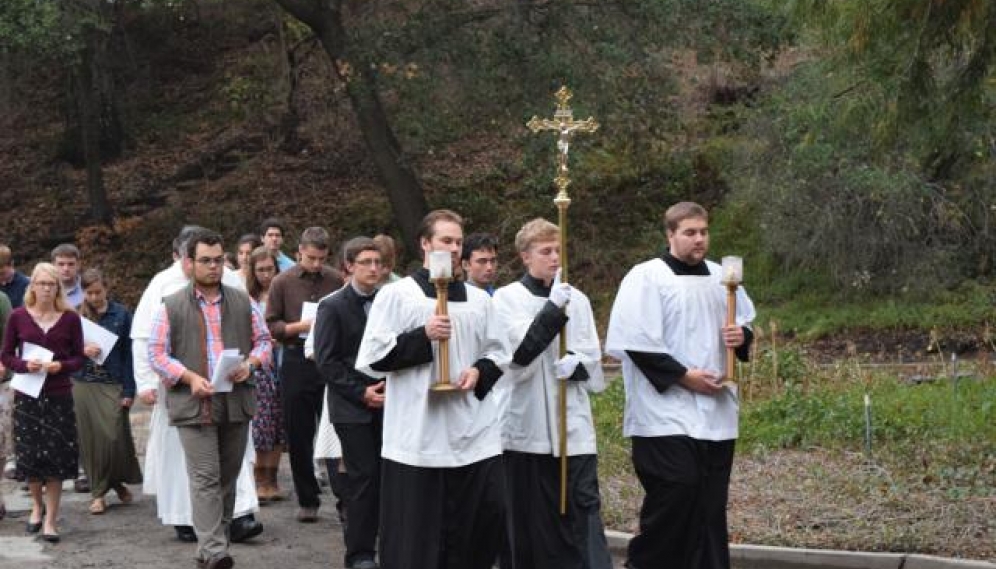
(803,476)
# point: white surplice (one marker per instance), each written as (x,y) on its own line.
(165,465)
(530,419)
(435,430)
(683,316)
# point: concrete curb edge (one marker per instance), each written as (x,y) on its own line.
(771,557)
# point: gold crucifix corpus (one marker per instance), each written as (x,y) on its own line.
(564,125)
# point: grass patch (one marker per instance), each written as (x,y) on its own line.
(802,477)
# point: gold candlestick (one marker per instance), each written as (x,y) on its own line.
(564,125)
(733,272)
(731,319)
(443,383)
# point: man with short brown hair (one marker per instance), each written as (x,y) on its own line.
(441,478)
(668,326)
(13,283)
(302,388)
(355,400)
(67,260)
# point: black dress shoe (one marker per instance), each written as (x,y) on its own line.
(243,528)
(50,537)
(186,534)
(32,527)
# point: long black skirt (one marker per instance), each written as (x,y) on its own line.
(683,518)
(542,538)
(45,442)
(441,518)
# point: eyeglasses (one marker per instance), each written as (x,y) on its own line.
(211,261)
(45,284)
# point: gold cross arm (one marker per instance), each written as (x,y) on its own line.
(563,118)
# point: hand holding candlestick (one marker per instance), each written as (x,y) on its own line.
(733,274)
(441,273)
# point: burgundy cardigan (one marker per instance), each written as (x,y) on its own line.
(64,339)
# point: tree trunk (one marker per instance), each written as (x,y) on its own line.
(88,104)
(404,191)
(6,84)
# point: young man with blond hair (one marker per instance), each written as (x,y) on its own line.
(533,312)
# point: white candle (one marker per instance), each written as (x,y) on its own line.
(733,270)
(440,265)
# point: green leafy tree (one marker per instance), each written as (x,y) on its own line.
(421,74)
(873,158)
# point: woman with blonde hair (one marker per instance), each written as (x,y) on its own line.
(45,426)
(103,395)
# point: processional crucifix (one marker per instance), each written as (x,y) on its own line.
(564,125)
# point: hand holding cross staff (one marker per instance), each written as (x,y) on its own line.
(565,126)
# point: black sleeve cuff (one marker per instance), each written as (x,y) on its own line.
(488,376)
(662,370)
(413,349)
(743,352)
(546,325)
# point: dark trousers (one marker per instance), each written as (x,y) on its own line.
(683,517)
(441,518)
(303,394)
(542,538)
(361,444)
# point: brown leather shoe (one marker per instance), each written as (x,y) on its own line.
(263,491)
(271,477)
(307,515)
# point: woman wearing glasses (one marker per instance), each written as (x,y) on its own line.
(45,426)
(268,425)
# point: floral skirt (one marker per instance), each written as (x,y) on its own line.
(268,424)
(45,437)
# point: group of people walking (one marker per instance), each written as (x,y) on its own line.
(78,411)
(275,354)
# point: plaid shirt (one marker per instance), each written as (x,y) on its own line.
(170,369)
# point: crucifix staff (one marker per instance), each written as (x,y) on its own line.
(564,125)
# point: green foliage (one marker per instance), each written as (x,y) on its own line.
(812,314)
(831,413)
(873,157)
(30,26)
